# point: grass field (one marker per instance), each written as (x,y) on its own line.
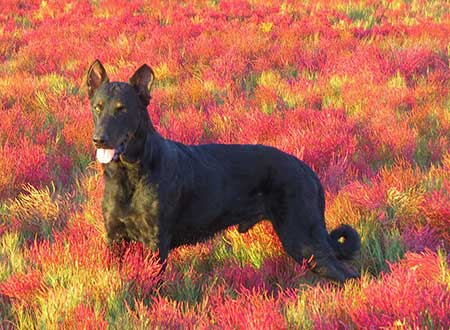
(360,90)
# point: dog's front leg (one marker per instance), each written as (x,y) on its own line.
(164,240)
(116,236)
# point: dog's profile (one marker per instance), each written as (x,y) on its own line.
(166,194)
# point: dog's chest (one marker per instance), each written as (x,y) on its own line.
(136,207)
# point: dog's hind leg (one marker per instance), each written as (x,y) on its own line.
(325,261)
(245,226)
(310,242)
(164,247)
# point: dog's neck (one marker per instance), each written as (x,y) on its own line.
(138,142)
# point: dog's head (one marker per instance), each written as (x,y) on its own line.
(118,109)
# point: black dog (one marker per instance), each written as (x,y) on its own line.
(166,194)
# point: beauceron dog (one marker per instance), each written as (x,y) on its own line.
(166,194)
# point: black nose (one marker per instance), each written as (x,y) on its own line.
(100,140)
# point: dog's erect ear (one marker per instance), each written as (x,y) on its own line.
(96,77)
(142,80)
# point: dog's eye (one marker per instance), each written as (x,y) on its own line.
(121,108)
(97,108)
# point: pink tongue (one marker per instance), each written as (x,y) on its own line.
(104,156)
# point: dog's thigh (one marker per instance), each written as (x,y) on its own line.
(307,239)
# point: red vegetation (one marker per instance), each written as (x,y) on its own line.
(79,244)
(242,278)
(409,295)
(140,269)
(358,90)
(436,208)
(164,314)
(85,317)
(23,287)
(253,309)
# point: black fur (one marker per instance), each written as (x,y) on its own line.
(166,194)
(349,246)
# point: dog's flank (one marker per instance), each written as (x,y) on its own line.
(166,194)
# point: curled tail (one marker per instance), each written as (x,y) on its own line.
(345,241)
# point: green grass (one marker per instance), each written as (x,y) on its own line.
(11,255)
(379,246)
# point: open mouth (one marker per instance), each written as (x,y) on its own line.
(105,156)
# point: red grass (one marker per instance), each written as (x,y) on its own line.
(251,310)
(359,91)
(79,243)
(242,278)
(408,295)
(140,269)
(436,208)
(419,238)
(422,62)
(23,163)
(84,317)
(164,314)
(22,287)
(283,271)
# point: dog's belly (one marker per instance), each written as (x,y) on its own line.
(244,212)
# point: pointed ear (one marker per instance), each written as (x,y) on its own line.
(96,77)
(142,80)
